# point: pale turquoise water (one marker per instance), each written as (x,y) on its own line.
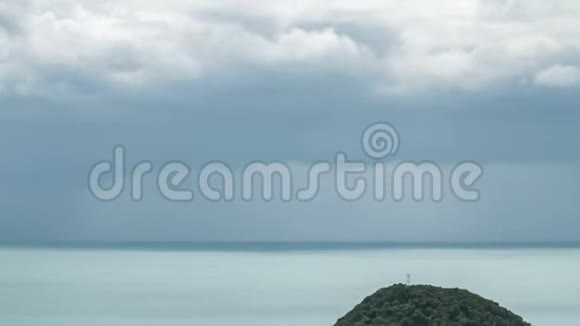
(66,287)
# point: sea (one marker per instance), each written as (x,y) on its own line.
(271,284)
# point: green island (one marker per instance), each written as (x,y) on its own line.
(426,305)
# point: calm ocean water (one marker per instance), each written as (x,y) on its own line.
(268,285)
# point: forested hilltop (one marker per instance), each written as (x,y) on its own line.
(418,305)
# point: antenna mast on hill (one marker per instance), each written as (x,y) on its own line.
(408,279)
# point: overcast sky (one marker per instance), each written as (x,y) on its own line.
(497,82)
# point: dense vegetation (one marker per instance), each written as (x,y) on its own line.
(417,305)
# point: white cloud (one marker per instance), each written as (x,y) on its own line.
(558,76)
(470,44)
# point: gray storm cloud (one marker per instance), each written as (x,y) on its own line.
(296,81)
(401,47)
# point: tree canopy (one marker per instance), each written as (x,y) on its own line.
(418,305)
